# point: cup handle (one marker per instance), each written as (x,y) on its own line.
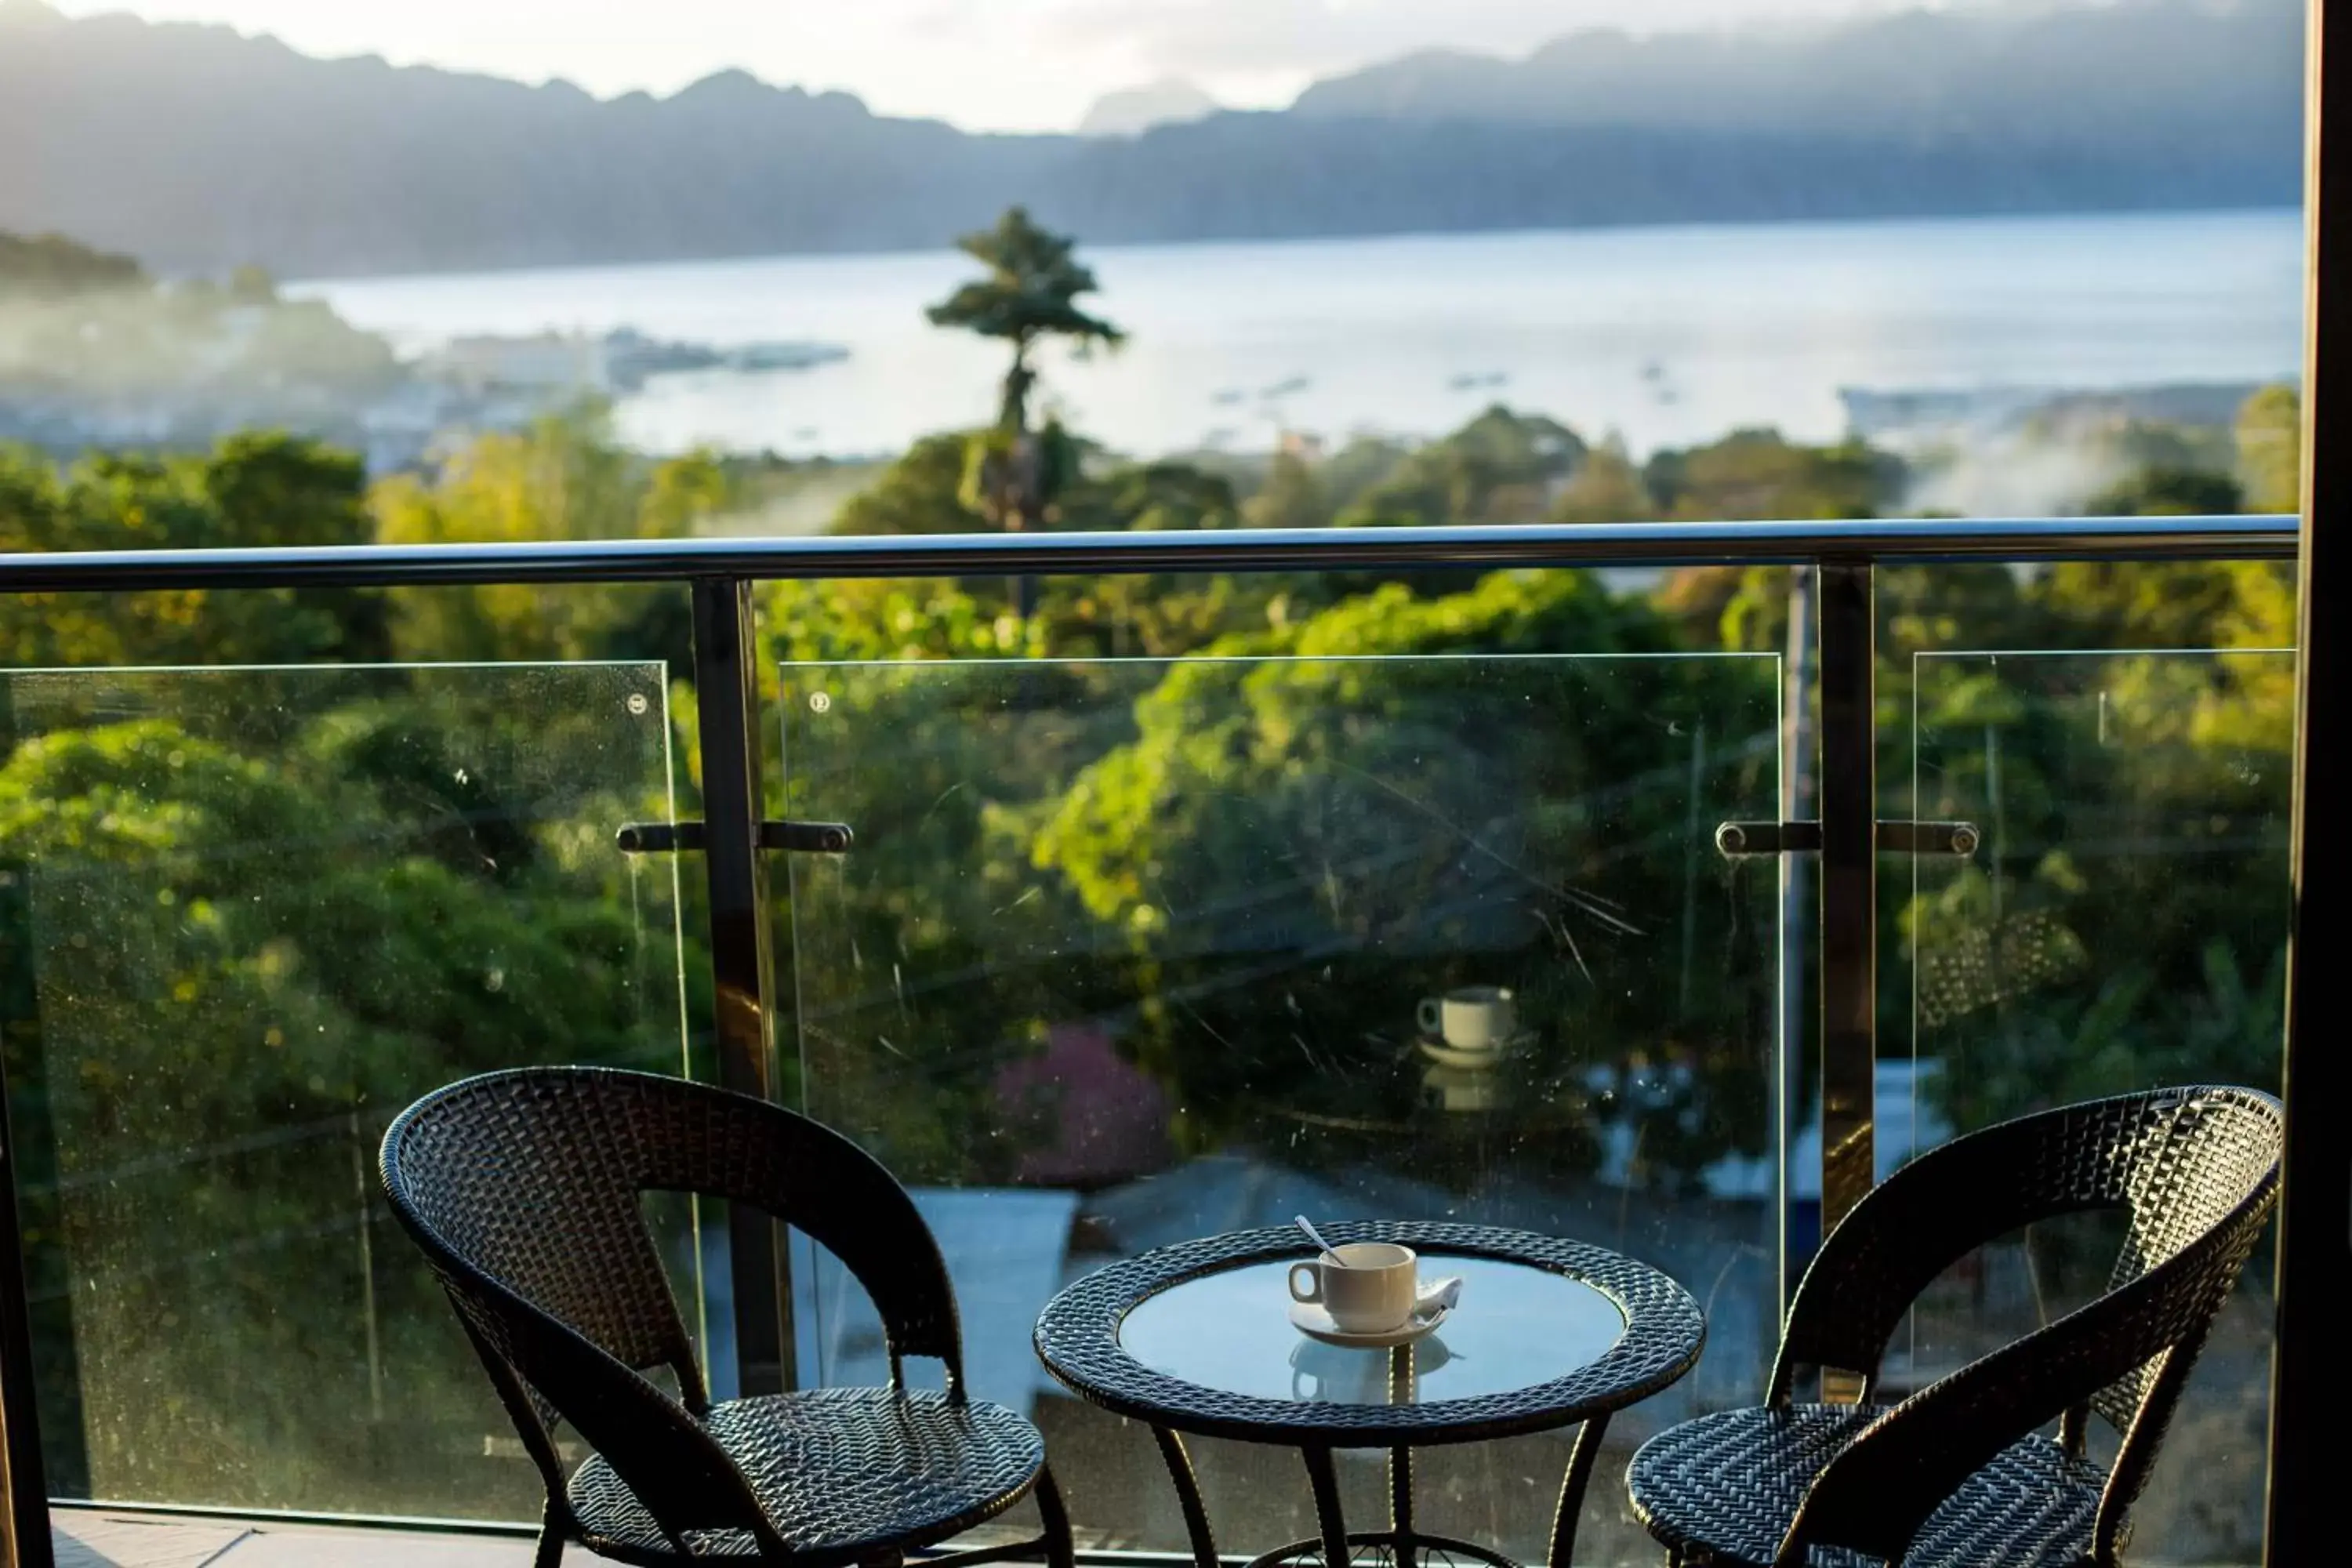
(1314,1291)
(1432,1016)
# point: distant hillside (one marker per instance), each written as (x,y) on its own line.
(2186,79)
(195,148)
(1139,109)
(50,266)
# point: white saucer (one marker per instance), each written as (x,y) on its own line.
(1316,1323)
(1444,1054)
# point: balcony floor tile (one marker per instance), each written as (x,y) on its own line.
(110,1539)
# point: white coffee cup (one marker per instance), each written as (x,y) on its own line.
(1367,1287)
(1472,1019)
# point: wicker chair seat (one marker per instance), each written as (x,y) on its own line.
(1962,1473)
(1724,1489)
(525,1189)
(835,1470)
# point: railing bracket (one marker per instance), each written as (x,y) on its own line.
(1741,839)
(1960,839)
(688,837)
(1738,839)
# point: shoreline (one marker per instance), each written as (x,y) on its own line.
(311,284)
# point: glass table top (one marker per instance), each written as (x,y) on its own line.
(1516,1327)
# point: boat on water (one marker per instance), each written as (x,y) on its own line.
(632,358)
(782,356)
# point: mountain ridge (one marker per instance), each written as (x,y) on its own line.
(199,149)
(2037,74)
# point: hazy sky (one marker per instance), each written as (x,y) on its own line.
(984,64)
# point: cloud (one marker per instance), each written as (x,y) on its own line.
(1208,39)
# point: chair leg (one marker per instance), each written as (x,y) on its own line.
(554,1525)
(1059,1553)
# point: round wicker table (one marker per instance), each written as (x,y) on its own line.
(1196,1338)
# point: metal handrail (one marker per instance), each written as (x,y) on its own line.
(1485,546)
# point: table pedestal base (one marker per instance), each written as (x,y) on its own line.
(1401,1544)
(1385,1547)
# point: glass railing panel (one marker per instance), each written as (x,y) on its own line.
(246,916)
(1131,952)
(2123,926)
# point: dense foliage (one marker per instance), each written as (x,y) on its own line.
(47,265)
(1236,828)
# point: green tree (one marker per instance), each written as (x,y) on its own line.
(260,488)
(1074,617)
(50,266)
(2168,491)
(1161,497)
(1609,488)
(1760,474)
(1347,812)
(1029,297)
(252,286)
(254,913)
(920,493)
(1364,461)
(1292,496)
(1502,467)
(565,477)
(2269,436)
(2126,923)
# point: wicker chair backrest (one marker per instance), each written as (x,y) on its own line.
(526,1191)
(2195,1173)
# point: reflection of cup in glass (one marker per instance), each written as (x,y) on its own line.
(1471,1018)
(1326,1375)
(1461,1088)
(1331,1374)
(1367,1287)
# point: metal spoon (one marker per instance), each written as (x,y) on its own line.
(1314,1235)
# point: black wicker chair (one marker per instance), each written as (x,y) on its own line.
(524,1188)
(1962,1473)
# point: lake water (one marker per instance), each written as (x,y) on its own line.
(1664,335)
